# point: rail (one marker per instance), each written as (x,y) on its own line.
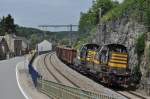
(146,88)
(59,91)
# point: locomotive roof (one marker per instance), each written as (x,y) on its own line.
(116,45)
(90,44)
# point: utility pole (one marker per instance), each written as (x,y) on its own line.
(70,43)
(100,34)
(60,26)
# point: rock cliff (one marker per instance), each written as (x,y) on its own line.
(122,31)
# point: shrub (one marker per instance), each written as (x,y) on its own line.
(136,74)
(140,45)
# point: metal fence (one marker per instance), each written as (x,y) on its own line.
(59,91)
(33,73)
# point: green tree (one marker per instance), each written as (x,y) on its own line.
(34,40)
(140,45)
(91,18)
(148,15)
(2,32)
(7,25)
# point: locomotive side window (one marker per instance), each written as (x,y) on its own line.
(103,55)
(83,52)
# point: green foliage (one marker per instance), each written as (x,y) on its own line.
(136,74)
(140,45)
(27,32)
(34,40)
(7,25)
(105,5)
(35,35)
(135,8)
(147,21)
(120,10)
(89,20)
(139,10)
(65,41)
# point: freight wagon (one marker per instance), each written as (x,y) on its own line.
(66,54)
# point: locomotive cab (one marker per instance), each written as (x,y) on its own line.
(87,53)
(113,60)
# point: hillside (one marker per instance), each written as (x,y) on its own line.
(36,35)
(127,23)
(111,11)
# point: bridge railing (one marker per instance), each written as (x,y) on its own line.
(59,91)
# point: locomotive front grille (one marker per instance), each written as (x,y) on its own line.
(118,60)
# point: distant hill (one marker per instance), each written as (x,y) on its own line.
(37,35)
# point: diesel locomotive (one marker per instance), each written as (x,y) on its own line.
(109,63)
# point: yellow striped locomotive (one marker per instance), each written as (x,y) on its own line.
(109,63)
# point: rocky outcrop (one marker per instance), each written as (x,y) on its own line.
(145,68)
(122,31)
(126,31)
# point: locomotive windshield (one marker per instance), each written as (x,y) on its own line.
(117,48)
(89,47)
(84,50)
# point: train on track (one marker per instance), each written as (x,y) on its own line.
(107,63)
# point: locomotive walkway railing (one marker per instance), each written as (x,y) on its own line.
(59,91)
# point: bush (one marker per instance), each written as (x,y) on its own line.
(136,74)
(140,45)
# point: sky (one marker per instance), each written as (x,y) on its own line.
(31,13)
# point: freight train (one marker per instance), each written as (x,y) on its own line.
(107,63)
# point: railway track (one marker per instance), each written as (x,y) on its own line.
(131,95)
(127,94)
(50,70)
(56,70)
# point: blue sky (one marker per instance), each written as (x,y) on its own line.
(31,13)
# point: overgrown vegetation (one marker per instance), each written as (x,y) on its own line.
(136,74)
(35,35)
(139,10)
(7,25)
(89,20)
(140,46)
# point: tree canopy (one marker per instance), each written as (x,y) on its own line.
(7,25)
(91,18)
